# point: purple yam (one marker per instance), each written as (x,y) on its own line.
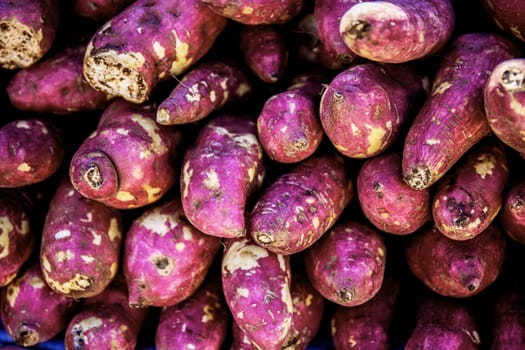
(507,327)
(512,214)
(507,15)
(99,10)
(252,12)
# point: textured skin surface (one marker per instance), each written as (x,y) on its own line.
(253,12)
(149,41)
(141,175)
(512,214)
(386,200)
(288,125)
(31,311)
(220,172)
(200,322)
(55,85)
(456,268)
(469,197)
(98,10)
(508,15)
(264,51)
(347,264)
(397,31)
(205,88)
(81,243)
(508,325)
(28,30)
(165,258)
(31,151)
(452,119)
(366,326)
(364,107)
(504,101)
(257,288)
(295,210)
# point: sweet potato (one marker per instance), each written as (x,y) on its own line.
(165,258)
(347,264)
(31,311)
(265,51)
(444,324)
(147,42)
(364,107)
(470,196)
(220,172)
(294,211)
(452,119)
(366,326)
(205,88)
(456,268)
(256,285)
(200,322)
(138,176)
(240,340)
(252,12)
(99,10)
(386,200)
(507,328)
(106,319)
(80,245)
(288,124)
(504,102)
(512,214)
(31,151)
(28,30)
(396,31)
(55,85)
(507,15)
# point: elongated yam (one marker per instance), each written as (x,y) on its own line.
(347,264)
(99,10)
(387,201)
(165,38)
(470,196)
(301,205)
(365,107)
(31,151)
(100,170)
(165,258)
(452,119)
(454,268)
(56,85)
(512,214)
(396,31)
(81,243)
(508,15)
(31,311)
(504,102)
(256,285)
(28,30)
(256,12)
(205,88)
(221,170)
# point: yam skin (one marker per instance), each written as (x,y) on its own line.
(31,151)
(17,238)
(288,124)
(504,102)
(31,311)
(512,214)
(100,170)
(386,200)
(257,288)
(204,89)
(252,12)
(81,243)
(106,319)
(366,326)
(469,197)
(347,264)
(508,15)
(200,322)
(454,268)
(444,324)
(28,30)
(147,42)
(508,323)
(221,171)
(265,51)
(452,119)
(364,108)
(294,211)
(165,258)
(397,31)
(55,85)
(99,10)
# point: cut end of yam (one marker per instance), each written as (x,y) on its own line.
(19,45)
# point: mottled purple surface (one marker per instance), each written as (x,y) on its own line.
(508,15)
(508,324)
(512,214)
(98,10)
(252,12)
